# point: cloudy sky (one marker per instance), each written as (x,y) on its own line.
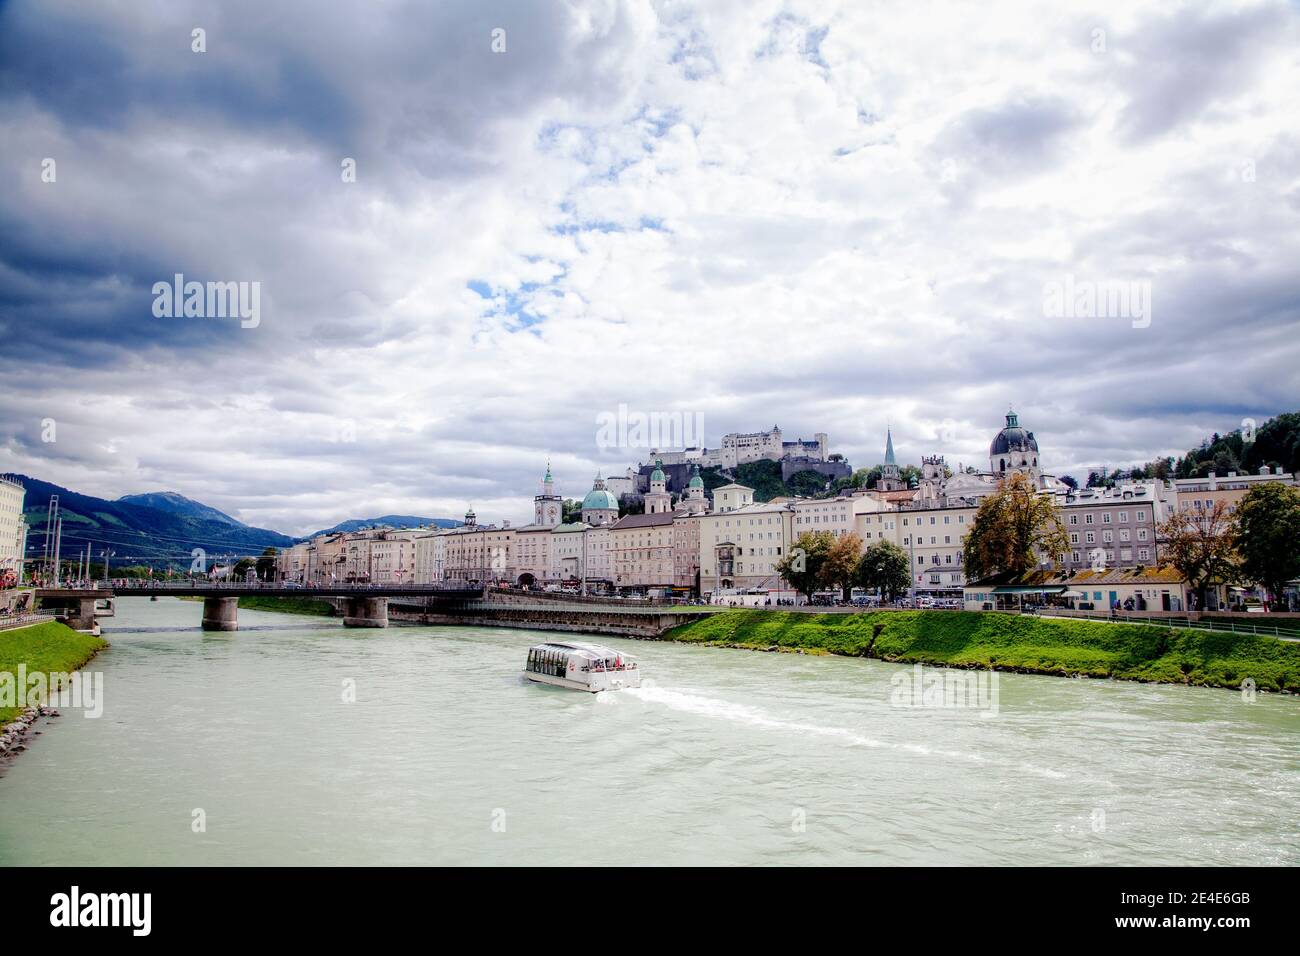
(828,216)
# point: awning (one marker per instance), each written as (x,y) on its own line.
(1029,589)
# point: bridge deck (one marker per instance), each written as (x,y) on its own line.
(255,590)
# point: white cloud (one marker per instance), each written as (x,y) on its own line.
(828,216)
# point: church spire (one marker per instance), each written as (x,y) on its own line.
(889,447)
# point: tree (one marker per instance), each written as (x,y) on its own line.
(841,564)
(807,483)
(1268,536)
(1201,545)
(884,567)
(802,567)
(266,565)
(1013,527)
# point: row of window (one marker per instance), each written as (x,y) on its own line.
(1125,554)
(1105,518)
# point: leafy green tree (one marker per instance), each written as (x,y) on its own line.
(1013,527)
(884,567)
(1201,545)
(1268,536)
(266,565)
(841,564)
(764,477)
(807,483)
(802,567)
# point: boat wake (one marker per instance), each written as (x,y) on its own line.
(754,717)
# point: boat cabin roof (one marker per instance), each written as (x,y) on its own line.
(593,652)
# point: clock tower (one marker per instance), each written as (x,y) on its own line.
(548,507)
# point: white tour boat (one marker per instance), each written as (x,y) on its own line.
(581,666)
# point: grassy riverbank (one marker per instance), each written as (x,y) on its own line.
(1012,642)
(48,648)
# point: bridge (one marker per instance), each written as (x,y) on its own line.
(363,605)
(372,605)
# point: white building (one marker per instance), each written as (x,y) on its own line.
(392,557)
(740,547)
(13,528)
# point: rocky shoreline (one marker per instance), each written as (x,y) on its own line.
(13,735)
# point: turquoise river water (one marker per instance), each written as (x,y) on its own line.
(447,755)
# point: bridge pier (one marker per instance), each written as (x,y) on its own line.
(221,614)
(78,610)
(365,612)
(81,615)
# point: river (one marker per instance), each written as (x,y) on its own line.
(447,756)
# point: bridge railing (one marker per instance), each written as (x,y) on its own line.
(10,621)
(281,588)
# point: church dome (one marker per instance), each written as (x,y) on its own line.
(696,481)
(658,473)
(1013,438)
(598,499)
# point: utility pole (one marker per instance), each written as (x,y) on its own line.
(107,554)
(58,548)
(51,515)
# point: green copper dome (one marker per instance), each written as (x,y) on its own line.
(598,499)
(658,473)
(696,481)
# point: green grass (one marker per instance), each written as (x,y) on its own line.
(48,648)
(289,605)
(1012,642)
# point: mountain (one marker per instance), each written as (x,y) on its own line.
(137,533)
(391,521)
(176,504)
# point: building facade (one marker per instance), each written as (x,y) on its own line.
(13,527)
(642,552)
(740,547)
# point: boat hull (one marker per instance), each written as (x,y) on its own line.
(600,681)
